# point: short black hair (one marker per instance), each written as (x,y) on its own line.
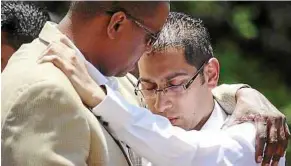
(137,9)
(22,21)
(186,32)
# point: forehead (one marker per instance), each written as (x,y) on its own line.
(161,64)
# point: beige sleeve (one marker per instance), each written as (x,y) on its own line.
(225,95)
(44,127)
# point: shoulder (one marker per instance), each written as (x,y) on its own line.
(42,97)
(31,90)
(45,116)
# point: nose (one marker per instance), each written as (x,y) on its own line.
(162,103)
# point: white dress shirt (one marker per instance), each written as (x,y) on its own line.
(154,138)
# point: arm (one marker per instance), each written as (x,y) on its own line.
(44,127)
(225,95)
(154,138)
(247,104)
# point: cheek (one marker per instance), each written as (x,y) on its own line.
(131,53)
(187,104)
(138,49)
(137,52)
(186,109)
(183,105)
(151,106)
(138,44)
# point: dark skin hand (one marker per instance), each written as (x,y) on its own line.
(272,130)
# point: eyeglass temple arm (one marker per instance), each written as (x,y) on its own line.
(194,77)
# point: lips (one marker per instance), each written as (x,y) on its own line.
(173,120)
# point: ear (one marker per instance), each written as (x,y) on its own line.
(211,72)
(116,24)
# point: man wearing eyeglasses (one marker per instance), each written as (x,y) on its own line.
(176,82)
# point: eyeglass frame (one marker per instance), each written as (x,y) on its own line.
(164,90)
(138,22)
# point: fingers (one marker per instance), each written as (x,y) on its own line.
(285,141)
(270,147)
(280,147)
(287,131)
(56,53)
(66,41)
(267,159)
(72,52)
(261,138)
(282,138)
(272,142)
(282,143)
(274,149)
(53,48)
(276,131)
(275,160)
(61,50)
(58,62)
(58,47)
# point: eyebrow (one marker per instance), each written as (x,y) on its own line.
(176,74)
(145,80)
(168,77)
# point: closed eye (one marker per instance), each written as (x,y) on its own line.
(177,82)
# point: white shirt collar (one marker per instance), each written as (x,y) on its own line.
(216,119)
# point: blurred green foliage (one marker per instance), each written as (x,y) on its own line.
(249,39)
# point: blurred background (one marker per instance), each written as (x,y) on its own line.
(252,41)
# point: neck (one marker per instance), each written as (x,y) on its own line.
(206,117)
(78,31)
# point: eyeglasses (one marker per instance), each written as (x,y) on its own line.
(152,37)
(170,90)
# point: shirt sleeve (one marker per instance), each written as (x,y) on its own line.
(225,95)
(153,137)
